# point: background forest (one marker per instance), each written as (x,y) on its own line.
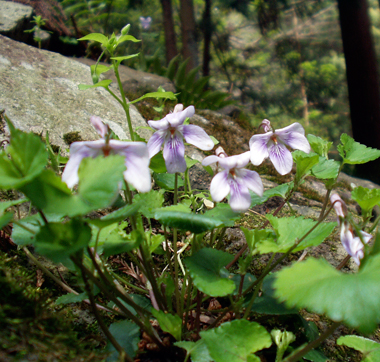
(276,59)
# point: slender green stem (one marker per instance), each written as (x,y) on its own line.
(255,294)
(125,104)
(325,202)
(122,353)
(107,280)
(297,355)
(127,283)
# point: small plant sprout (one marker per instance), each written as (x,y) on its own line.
(234,180)
(353,244)
(170,131)
(273,144)
(135,153)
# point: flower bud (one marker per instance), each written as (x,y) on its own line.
(125,30)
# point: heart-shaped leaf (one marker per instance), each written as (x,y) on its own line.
(235,341)
(315,285)
(205,268)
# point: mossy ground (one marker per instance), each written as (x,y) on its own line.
(32,327)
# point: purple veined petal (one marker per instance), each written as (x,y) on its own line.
(266,125)
(240,198)
(196,136)
(236,161)
(155,142)
(281,157)
(258,145)
(79,151)
(209,160)
(252,180)
(174,153)
(294,136)
(176,119)
(219,186)
(137,162)
(162,124)
(100,127)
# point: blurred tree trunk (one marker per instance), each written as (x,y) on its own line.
(207,33)
(362,79)
(189,41)
(170,38)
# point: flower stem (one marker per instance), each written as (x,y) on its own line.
(297,355)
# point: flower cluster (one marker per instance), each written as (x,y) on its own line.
(351,242)
(233,180)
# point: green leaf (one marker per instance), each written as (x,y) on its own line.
(100,68)
(315,356)
(50,194)
(319,145)
(75,298)
(28,158)
(291,229)
(149,201)
(116,216)
(25,236)
(5,219)
(235,341)
(190,162)
(369,348)
(127,334)
(326,169)
(197,350)
(366,198)
(187,221)
(57,241)
(280,190)
(256,236)
(355,153)
(205,268)
(100,38)
(167,180)
(169,323)
(266,303)
(155,241)
(157,163)
(124,38)
(71,298)
(353,299)
(103,83)
(126,57)
(304,162)
(223,213)
(5,204)
(115,240)
(99,180)
(156,95)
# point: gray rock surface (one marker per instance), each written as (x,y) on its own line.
(134,81)
(14,19)
(39,92)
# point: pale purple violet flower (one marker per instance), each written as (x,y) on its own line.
(273,145)
(170,132)
(136,157)
(145,22)
(234,180)
(352,244)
